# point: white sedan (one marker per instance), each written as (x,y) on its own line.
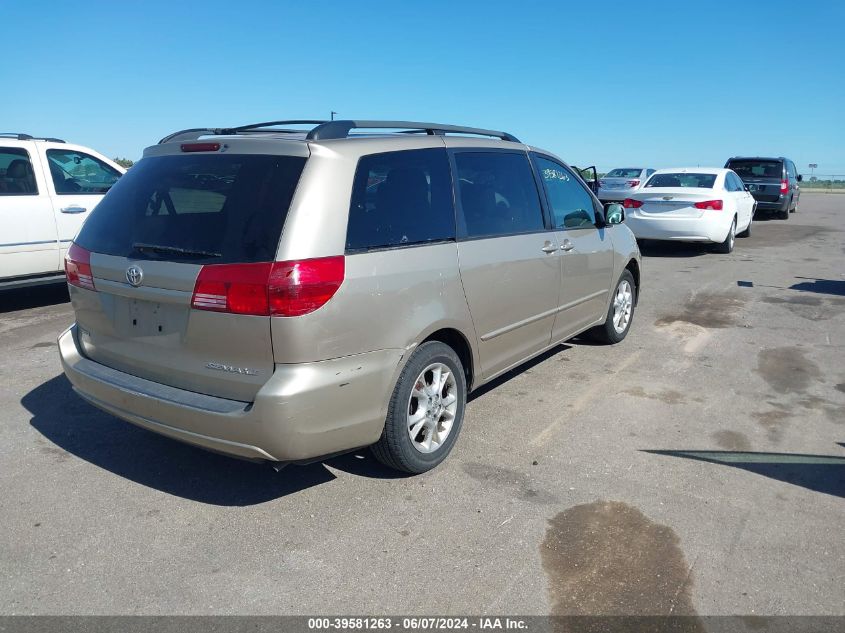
(691,204)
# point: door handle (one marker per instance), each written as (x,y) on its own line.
(73,209)
(549,248)
(567,246)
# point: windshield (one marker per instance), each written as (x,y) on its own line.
(625,172)
(201,208)
(757,168)
(682,179)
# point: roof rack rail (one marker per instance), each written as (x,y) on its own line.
(27,137)
(341,129)
(194,133)
(326,130)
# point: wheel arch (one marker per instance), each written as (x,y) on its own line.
(634,267)
(459,342)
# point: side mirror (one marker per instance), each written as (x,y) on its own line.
(800,177)
(614,213)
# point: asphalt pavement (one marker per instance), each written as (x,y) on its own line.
(696,468)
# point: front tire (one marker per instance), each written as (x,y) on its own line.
(426,410)
(620,314)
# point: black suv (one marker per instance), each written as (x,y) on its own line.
(772,181)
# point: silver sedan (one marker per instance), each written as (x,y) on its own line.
(619,183)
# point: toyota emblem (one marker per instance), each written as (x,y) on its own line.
(134,276)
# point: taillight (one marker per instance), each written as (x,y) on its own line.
(633,183)
(290,288)
(713,205)
(784,186)
(78,267)
(630,203)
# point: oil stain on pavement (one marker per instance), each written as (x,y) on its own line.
(608,558)
(732,440)
(786,369)
(709,310)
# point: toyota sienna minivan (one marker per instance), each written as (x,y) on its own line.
(283,294)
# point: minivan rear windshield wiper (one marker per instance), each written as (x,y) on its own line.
(174,250)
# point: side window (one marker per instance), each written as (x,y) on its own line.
(77,172)
(649,172)
(790,168)
(16,175)
(730,185)
(572,205)
(498,194)
(401,198)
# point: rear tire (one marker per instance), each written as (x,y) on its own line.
(422,403)
(622,304)
(783,214)
(747,231)
(728,245)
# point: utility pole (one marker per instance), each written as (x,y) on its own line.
(333,113)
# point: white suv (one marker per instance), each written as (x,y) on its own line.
(47,189)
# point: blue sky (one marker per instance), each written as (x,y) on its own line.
(605,83)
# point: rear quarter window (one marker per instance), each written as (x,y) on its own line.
(201,208)
(401,199)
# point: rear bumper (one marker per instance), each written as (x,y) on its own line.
(703,229)
(780,205)
(304,411)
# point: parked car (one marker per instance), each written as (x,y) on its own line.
(772,181)
(618,183)
(47,189)
(282,296)
(692,204)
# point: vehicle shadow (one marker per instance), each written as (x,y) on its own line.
(822,286)
(821,473)
(34,297)
(152,460)
(498,382)
(657,248)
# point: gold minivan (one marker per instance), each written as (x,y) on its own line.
(282,294)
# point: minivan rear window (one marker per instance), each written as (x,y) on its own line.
(199,209)
(757,168)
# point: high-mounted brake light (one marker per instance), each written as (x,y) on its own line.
(784,186)
(291,288)
(713,205)
(200,147)
(78,267)
(630,203)
(633,183)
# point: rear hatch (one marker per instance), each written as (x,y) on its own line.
(763,177)
(165,220)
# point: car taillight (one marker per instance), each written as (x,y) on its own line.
(713,205)
(784,186)
(291,288)
(633,183)
(630,203)
(78,267)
